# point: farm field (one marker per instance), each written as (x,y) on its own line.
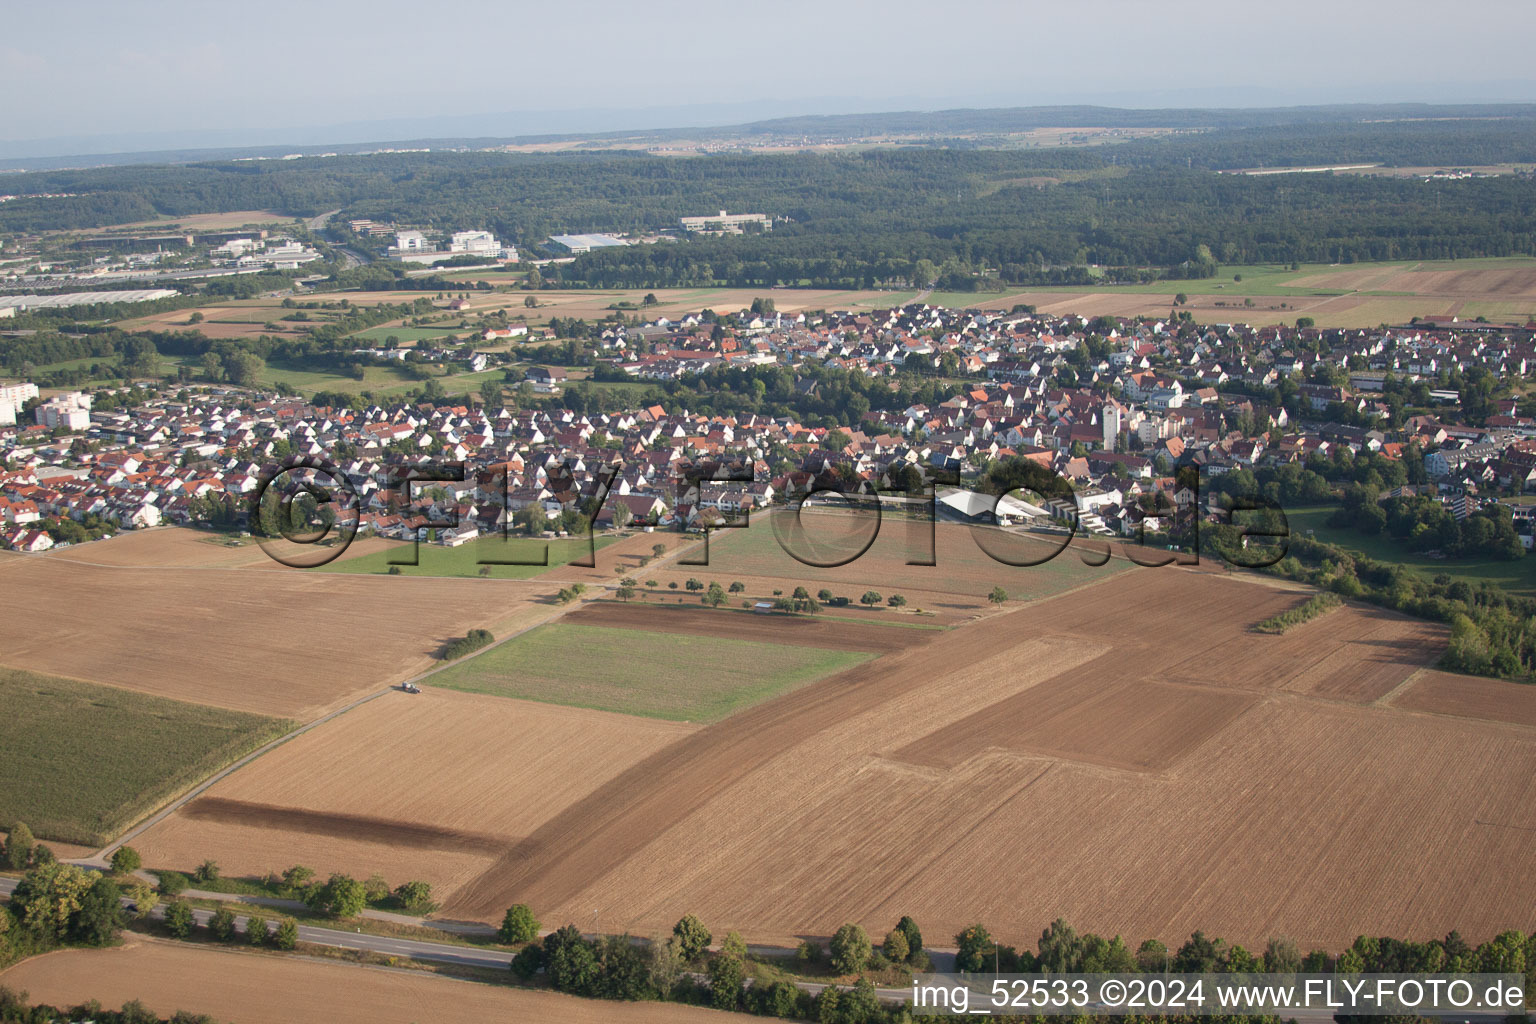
(1334,295)
(955,587)
(1517,577)
(285,642)
(642,672)
(431,786)
(835,634)
(1445,693)
(1254,796)
(256,988)
(463,561)
(82,762)
(185,547)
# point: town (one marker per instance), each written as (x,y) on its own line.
(1113,406)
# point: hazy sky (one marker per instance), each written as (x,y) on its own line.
(264,72)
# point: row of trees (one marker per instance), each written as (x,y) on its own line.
(1061,949)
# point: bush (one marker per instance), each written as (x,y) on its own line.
(471,642)
(1316,605)
(518,925)
(207,871)
(173,883)
(415,897)
(375,889)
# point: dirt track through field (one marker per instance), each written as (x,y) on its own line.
(739,625)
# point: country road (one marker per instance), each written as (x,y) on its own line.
(495,959)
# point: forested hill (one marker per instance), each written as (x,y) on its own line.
(862,216)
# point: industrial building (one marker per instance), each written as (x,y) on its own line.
(578,244)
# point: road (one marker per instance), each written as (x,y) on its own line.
(495,959)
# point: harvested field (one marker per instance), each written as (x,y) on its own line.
(429,786)
(178,547)
(82,762)
(1090,716)
(957,584)
(794,630)
(1050,762)
(289,643)
(465,561)
(639,672)
(1494,700)
(262,988)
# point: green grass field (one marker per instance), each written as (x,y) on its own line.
(82,762)
(1517,577)
(413,333)
(436,560)
(656,675)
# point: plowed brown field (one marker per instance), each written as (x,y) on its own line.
(1088,757)
(1494,700)
(431,786)
(288,643)
(255,988)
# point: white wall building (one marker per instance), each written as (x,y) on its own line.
(71,411)
(12,398)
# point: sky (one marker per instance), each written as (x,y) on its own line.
(103,75)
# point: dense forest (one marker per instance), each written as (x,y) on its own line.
(859,218)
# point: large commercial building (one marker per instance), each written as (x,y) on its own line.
(578,244)
(725,223)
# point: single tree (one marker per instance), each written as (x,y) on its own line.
(914,935)
(871,598)
(726,974)
(126,860)
(895,946)
(178,918)
(896,601)
(222,925)
(692,937)
(850,949)
(18,847)
(518,925)
(287,934)
(998,596)
(257,931)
